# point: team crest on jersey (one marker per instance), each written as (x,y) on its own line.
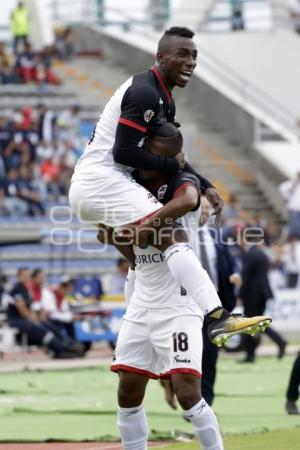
(148,115)
(161,191)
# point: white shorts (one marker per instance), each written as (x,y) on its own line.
(114,201)
(159,342)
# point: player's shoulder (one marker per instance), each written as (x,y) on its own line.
(142,88)
(182,178)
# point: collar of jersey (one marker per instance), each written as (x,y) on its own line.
(162,83)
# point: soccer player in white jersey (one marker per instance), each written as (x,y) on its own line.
(102,189)
(161,335)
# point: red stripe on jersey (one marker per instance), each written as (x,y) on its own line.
(117,367)
(182,187)
(132,124)
(167,375)
(162,83)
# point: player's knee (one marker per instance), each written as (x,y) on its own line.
(187,390)
(131,390)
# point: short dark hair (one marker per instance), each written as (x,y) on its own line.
(175,31)
(21,270)
(168,129)
(180,31)
(36,272)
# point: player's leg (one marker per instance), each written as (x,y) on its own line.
(184,366)
(188,271)
(292,394)
(132,420)
(197,411)
(133,362)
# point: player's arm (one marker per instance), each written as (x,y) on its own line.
(107,236)
(185,199)
(24,311)
(139,111)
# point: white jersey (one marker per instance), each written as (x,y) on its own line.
(155,286)
(141,103)
(97,159)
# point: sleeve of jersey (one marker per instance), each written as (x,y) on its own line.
(204,183)
(138,113)
(181,181)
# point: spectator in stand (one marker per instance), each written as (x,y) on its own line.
(294,7)
(64,43)
(46,124)
(45,67)
(12,204)
(35,287)
(17,152)
(20,22)
(4,297)
(290,191)
(7,74)
(232,211)
(29,191)
(57,308)
(237,15)
(291,262)
(5,133)
(68,124)
(115,284)
(27,66)
(21,317)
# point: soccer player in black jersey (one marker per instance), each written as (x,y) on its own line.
(104,192)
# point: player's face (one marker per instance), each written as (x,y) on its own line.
(178,61)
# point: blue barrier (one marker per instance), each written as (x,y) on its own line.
(98,328)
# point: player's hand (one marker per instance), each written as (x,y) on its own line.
(216,202)
(181,159)
(105,235)
(236,280)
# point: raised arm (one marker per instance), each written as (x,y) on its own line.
(139,112)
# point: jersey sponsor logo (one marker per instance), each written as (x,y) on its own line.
(161,191)
(177,359)
(150,259)
(148,115)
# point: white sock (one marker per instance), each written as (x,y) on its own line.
(129,285)
(133,428)
(206,425)
(189,273)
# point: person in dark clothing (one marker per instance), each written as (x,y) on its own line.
(21,317)
(256,290)
(292,394)
(219,264)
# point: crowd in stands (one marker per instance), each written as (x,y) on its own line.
(38,151)
(25,65)
(283,248)
(28,66)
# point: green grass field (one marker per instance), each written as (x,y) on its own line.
(81,405)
